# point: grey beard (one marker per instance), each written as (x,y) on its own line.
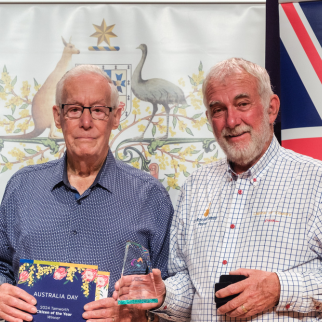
(243,155)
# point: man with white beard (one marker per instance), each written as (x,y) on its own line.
(255,213)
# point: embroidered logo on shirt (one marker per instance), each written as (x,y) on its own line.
(271,220)
(204,221)
(206,218)
(207,211)
(276,213)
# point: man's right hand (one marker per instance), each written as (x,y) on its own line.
(13,301)
(159,285)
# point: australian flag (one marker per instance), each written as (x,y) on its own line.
(301,77)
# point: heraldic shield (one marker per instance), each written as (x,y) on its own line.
(137,282)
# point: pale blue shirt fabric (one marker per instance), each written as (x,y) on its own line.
(43,218)
(268,218)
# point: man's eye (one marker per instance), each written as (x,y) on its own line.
(74,109)
(243,104)
(97,109)
(216,111)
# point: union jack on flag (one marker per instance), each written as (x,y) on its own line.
(301,77)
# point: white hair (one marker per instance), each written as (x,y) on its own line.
(82,70)
(234,66)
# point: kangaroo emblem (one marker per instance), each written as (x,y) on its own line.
(43,101)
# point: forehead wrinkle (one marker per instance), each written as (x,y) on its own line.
(66,96)
(95,103)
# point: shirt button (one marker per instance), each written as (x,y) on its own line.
(254,180)
(240,191)
(224,262)
(74,232)
(287,306)
(232,226)
(317,308)
(165,307)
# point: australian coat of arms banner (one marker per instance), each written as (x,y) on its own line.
(148,50)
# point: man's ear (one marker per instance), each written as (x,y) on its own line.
(57,111)
(116,118)
(274,107)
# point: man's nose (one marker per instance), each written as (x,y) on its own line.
(86,119)
(233,118)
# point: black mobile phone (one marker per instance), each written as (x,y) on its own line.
(224,281)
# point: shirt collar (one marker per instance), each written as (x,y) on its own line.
(105,177)
(57,175)
(259,167)
(107,174)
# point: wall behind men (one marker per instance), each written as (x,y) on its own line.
(183,41)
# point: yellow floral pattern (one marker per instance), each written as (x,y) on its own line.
(85,288)
(31,273)
(136,106)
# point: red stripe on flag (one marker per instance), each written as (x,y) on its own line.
(310,147)
(304,38)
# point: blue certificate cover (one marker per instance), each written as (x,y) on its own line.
(61,289)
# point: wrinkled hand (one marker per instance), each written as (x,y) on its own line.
(122,287)
(107,310)
(14,300)
(259,292)
(104,310)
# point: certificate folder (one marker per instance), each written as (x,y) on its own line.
(61,289)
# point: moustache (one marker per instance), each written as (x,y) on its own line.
(236,131)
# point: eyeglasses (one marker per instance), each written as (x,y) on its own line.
(75,111)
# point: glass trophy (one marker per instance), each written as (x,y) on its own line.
(137,282)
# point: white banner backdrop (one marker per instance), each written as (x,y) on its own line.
(180,43)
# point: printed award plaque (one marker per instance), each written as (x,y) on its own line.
(61,289)
(137,282)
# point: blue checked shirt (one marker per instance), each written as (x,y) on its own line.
(42,217)
(268,218)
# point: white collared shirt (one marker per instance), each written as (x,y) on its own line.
(268,218)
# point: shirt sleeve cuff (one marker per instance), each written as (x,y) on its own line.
(291,294)
(162,310)
(168,309)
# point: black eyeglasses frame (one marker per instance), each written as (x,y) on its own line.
(89,108)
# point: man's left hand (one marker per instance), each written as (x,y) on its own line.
(259,292)
(104,310)
(107,310)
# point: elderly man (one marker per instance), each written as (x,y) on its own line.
(256,213)
(83,207)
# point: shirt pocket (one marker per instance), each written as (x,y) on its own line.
(275,238)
